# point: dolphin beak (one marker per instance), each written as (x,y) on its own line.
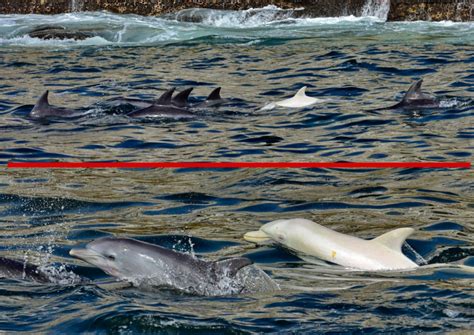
(84,254)
(257,236)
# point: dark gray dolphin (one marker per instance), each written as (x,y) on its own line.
(13,269)
(181,99)
(43,109)
(213,100)
(161,111)
(147,264)
(167,105)
(415,99)
(166,99)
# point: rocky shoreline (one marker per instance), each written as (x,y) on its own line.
(400,10)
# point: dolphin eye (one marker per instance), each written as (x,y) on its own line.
(111,257)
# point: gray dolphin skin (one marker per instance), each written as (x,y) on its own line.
(161,111)
(151,265)
(415,99)
(43,109)
(13,269)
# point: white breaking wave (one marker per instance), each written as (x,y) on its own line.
(248,27)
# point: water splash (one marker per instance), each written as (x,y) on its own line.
(376,8)
(76,5)
(418,258)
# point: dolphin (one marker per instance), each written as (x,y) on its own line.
(164,108)
(160,111)
(381,253)
(164,100)
(147,264)
(180,100)
(13,269)
(299,100)
(43,109)
(214,99)
(415,99)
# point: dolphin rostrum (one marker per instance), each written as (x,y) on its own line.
(381,253)
(43,109)
(147,264)
(415,99)
(299,100)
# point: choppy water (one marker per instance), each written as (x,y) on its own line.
(358,64)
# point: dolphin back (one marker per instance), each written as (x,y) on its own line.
(13,269)
(230,266)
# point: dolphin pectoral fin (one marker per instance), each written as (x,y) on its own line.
(394,239)
(181,99)
(215,94)
(414,91)
(232,265)
(256,236)
(165,98)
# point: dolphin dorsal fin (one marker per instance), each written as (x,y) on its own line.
(215,94)
(182,97)
(301,92)
(231,266)
(394,239)
(414,91)
(43,100)
(165,98)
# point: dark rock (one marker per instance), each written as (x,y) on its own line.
(431,10)
(59,32)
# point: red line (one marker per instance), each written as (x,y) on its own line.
(239,165)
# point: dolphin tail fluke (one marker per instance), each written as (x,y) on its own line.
(215,95)
(414,91)
(394,239)
(232,266)
(165,98)
(43,100)
(181,99)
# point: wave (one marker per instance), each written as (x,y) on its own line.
(247,26)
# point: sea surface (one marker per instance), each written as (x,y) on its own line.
(356,65)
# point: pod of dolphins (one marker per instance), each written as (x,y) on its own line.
(140,263)
(166,106)
(178,107)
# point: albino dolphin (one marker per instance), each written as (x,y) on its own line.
(381,253)
(299,100)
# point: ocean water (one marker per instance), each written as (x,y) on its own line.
(355,64)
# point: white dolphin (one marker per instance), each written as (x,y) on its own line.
(299,100)
(381,253)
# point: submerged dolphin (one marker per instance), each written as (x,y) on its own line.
(13,269)
(160,111)
(43,109)
(415,99)
(143,263)
(299,100)
(381,253)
